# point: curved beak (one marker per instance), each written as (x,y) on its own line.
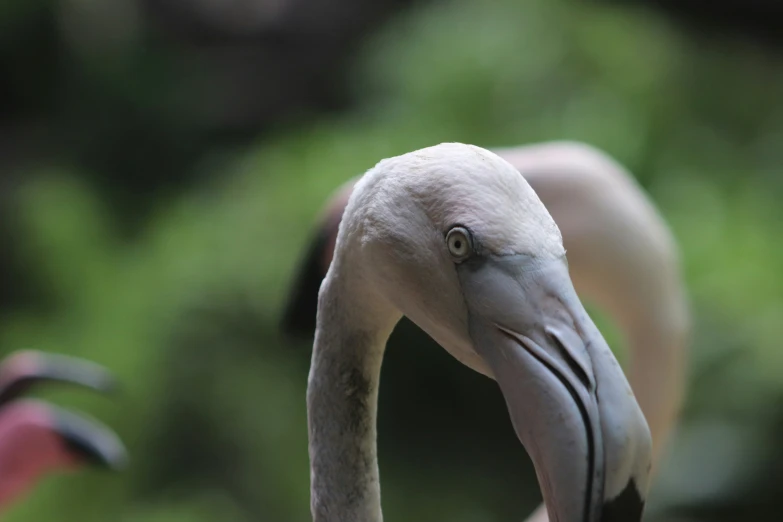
(24,369)
(569,401)
(88,440)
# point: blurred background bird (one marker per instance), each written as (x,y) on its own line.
(38,438)
(163,164)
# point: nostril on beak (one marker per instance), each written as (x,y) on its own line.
(572,363)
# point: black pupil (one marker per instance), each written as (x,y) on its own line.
(458,244)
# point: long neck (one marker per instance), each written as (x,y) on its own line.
(342,396)
(657,370)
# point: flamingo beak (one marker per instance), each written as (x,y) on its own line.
(88,440)
(24,369)
(569,401)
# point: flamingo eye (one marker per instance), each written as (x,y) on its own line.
(459,243)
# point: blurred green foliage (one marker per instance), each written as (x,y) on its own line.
(185,314)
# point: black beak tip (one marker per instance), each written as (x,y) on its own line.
(628,506)
(91,442)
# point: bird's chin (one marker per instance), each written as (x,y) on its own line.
(472,360)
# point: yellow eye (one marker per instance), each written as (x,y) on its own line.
(458,241)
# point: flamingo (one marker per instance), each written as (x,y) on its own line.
(38,438)
(622,257)
(453,238)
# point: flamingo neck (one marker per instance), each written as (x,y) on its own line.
(657,370)
(342,397)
